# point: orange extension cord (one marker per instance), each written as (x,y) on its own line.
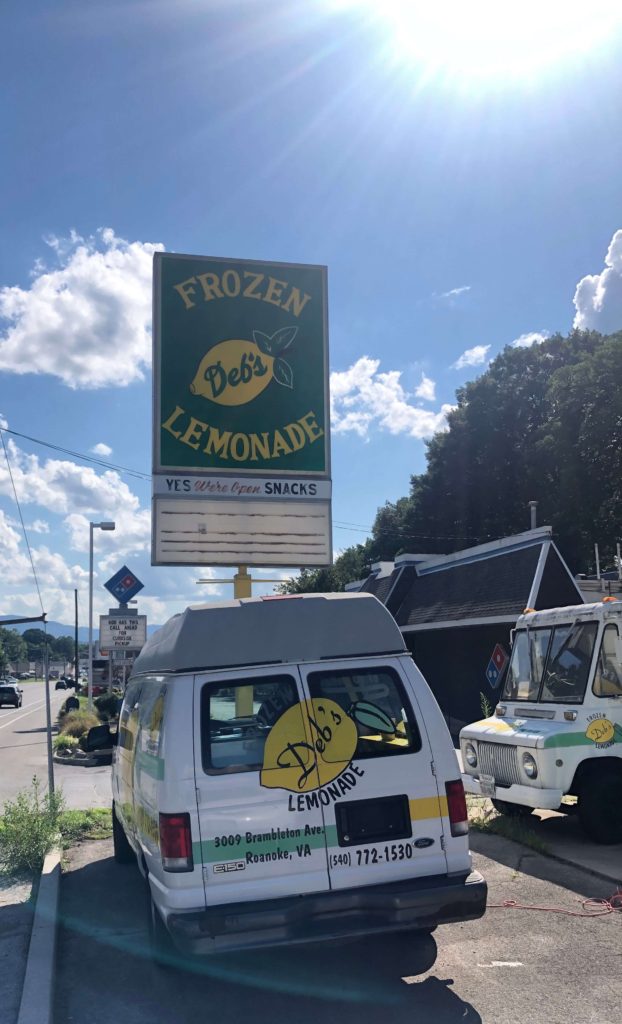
(600,907)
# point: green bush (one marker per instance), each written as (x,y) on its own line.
(28,828)
(106,705)
(63,741)
(77,723)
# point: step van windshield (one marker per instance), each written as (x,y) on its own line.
(551,664)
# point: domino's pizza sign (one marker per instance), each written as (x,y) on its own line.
(124,585)
(496,666)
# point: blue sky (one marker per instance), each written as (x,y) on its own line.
(457,212)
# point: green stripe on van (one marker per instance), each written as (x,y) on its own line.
(574,739)
(151,765)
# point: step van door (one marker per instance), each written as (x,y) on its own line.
(252,748)
(383,813)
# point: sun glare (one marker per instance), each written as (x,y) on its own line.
(492,38)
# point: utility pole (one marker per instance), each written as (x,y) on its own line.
(75,638)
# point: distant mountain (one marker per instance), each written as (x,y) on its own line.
(60,629)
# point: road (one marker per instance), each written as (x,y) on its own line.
(510,967)
(23,753)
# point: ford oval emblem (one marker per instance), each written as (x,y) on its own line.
(423,842)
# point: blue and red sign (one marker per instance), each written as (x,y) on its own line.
(124,585)
(496,666)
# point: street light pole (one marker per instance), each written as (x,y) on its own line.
(93,526)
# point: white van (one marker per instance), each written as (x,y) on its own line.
(284,774)
(557,730)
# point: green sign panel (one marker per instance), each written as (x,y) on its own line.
(240,366)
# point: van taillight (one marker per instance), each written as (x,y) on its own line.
(176,842)
(457,808)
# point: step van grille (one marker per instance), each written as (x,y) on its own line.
(501,761)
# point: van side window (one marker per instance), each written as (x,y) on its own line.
(236,719)
(128,719)
(608,676)
(375,699)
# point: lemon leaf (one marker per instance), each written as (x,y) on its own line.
(282,339)
(282,373)
(263,342)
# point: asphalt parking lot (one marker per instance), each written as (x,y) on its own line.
(512,966)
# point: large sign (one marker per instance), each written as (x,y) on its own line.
(122,632)
(241,462)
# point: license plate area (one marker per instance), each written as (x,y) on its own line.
(373,821)
(487,784)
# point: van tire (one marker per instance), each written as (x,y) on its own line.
(123,852)
(600,806)
(512,810)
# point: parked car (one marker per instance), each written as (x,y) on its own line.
(309,790)
(10,694)
(24,675)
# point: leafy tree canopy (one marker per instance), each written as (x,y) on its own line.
(544,424)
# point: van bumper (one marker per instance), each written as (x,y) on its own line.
(410,904)
(529,796)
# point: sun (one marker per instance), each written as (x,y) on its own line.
(482,39)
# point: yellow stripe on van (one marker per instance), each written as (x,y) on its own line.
(428,807)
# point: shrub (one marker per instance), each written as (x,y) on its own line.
(76,723)
(106,705)
(65,742)
(28,828)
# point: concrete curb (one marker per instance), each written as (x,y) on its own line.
(84,762)
(38,988)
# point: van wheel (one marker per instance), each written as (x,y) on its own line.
(600,807)
(512,810)
(123,852)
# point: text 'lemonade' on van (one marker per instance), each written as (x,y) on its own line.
(557,730)
(283,773)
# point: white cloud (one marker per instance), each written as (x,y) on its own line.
(426,389)
(87,321)
(529,339)
(101,449)
(361,398)
(39,526)
(598,297)
(472,357)
(453,293)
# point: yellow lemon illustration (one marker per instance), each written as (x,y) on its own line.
(234,372)
(600,730)
(308,746)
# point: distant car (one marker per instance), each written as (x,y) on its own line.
(24,675)
(61,685)
(10,694)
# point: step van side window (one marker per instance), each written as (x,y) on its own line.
(376,701)
(237,718)
(608,675)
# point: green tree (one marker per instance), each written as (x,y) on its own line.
(12,647)
(35,640)
(63,648)
(351,564)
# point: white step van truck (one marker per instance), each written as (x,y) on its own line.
(557,730)
(284,774)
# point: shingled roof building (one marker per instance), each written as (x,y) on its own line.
(454,610)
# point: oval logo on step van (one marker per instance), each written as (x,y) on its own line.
(423,842)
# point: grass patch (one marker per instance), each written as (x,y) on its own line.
(29,828)
(484,818)
(77,826)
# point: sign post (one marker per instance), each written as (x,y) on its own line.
(241,454)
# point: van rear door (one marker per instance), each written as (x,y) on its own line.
(383,813)
(254,842)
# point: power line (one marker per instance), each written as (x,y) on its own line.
(21,519)
(79,455)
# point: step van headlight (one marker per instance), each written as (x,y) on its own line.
(530,767)
(470,755)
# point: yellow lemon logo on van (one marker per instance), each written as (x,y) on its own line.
(600,730)
(310,745)
(235,372)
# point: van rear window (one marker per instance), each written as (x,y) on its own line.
(236,719)
(377,702)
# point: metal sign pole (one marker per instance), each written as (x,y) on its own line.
(48,718)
